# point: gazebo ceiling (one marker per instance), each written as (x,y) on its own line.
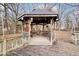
(41,20)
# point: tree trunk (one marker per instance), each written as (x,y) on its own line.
(6,18)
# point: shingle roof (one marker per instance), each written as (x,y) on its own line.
(43,11)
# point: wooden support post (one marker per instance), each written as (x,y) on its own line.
(29,31)
(22,33)
(55,25)
(43,26)
(51,29)
(22,27)
(30,28)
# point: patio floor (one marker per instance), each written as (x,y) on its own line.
(39,40)
(58,49)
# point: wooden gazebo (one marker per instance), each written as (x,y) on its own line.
(39,17)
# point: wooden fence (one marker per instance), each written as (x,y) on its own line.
(8,44)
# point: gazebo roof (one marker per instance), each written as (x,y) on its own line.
(43,11)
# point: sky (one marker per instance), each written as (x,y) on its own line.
(29,6)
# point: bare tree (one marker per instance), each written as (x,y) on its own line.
(12,11)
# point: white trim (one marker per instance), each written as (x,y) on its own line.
(40,15)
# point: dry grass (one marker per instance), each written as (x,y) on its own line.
(63,35)
(9,36)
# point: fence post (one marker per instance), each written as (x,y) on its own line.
(12,44)
(4,47)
